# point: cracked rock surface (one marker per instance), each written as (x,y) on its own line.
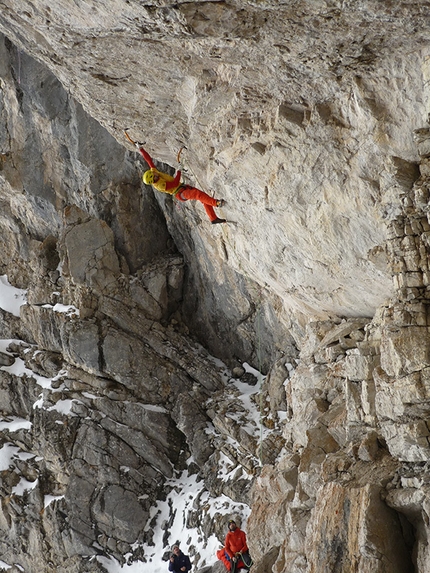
(282,359)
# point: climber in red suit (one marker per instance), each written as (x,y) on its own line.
(172,185)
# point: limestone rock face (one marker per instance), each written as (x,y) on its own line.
(357,437)
(291,113)
(310,119)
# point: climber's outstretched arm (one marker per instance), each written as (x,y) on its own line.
(145,155)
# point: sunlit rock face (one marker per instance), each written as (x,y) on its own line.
(304,117)
(350,489)
(299,116)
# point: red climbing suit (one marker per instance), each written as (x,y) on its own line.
(173,186)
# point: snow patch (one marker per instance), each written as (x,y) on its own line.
(23,486)
(12,424)
(67,309)
(50,499)
(11,298)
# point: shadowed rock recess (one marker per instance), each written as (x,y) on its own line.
(310,118)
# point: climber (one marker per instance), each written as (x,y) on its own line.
(236,547)
(172,185)
(178,562)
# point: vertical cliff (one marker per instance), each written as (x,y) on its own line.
(134,367)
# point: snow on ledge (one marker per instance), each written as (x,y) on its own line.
(11,298)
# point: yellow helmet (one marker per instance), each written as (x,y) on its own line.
(148,177)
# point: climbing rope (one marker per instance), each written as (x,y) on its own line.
(259,362)
(187,167)
(258,302)
(19,66)
(250,562)
(258,332)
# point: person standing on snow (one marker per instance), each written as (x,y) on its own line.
(172,185)
(178,562)
(236,546)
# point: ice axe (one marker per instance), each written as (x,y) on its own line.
(128,136)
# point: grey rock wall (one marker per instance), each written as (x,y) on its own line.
(113,384)
(350,490)
(293,113)
(310,120)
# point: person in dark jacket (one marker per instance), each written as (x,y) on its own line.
(178,562)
